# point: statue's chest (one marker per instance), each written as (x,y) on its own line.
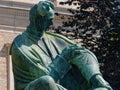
(48,48)
(45,51)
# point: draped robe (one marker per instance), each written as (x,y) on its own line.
(32,55)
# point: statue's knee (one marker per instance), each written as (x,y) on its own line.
(46,80)
(46,83)
(43,83)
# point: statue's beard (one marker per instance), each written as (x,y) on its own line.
(42,25)
(42,28)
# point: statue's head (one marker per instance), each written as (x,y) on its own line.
(41,15)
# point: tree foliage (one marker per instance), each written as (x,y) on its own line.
(97,23)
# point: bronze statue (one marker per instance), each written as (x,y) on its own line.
(46,61)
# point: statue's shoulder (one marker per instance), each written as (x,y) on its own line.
(15,43)
(60,37)
(20,43)
(19,39)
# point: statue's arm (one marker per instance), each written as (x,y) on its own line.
(59,67)
(25,61)
(23,57)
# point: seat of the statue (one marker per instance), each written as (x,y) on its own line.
(10,77)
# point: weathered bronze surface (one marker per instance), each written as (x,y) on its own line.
(46,61)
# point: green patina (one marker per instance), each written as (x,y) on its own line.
(46,61)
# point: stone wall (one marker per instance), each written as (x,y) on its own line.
(5,38)
(12,22)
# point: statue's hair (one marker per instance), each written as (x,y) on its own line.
(33,14)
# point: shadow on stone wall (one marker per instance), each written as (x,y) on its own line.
(3,51)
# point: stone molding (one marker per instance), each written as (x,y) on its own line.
(14,14)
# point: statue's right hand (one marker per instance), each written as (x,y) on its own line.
(62,62)
(71,52)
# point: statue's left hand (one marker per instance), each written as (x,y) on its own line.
(71,52)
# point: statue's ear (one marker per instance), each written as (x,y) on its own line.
(33,13)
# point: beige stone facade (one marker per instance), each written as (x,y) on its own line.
(14,17)
(5,39)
